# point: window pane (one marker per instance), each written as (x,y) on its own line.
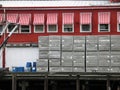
(38,28)
(25,28)
(85,27)
(119,27)
(1,28)
(10,28)
(68,28)
(104,27)
(52,28)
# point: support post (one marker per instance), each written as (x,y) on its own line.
(14,83)
(46,83)
(77,83)
(108,85)
(118,87)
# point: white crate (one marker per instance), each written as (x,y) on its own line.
(66,69)
(43,54)
(92,69)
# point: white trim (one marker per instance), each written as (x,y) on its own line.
(103,31)
(118,27)
(86,31)
(40,31)
(65,31)
(118,13)
(52,31)
(29,28)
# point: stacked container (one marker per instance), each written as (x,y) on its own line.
(54,53)
(115,53)
(78,54)
(42,62)
(91,53)
(104,53)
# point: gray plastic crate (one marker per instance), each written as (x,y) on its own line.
(67,43)
(104,62)
(115,69)
(66,69)
(115,46)
(78,69)
(43,54)
(92,69)
(104,42)
(42,62)
(54,42)
(78,47)
(67,56)
(104,69)
(91,46)
(78,63)
(54,63)
(42,69)
(54,54)
(66,63)
(78,56)
(55,69)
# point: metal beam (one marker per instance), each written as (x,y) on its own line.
(46,82)
(77,83)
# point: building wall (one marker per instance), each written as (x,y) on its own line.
(18,57)
(33,37)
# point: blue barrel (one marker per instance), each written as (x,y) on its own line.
(28,66)
(34,64)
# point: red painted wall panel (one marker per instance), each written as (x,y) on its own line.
(33,37)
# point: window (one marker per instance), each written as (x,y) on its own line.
(118,27)
(10,28)
(68,28)
(68,22)
(52,28)
(85,21)
(25,29)
(104,28)
(104,22)
(85,28)
(1,28)
(38,28)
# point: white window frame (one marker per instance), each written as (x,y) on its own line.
(66,31)
(14,31)
(52,31)
(85,31)
(118,26)
(104,31)
(39,31)
(29,28)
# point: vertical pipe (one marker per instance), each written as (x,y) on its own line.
(46,83)
(3,61)
(77,83)
(14,82)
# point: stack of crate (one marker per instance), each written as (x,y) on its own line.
(42,62)
(115,53)
(78,54)
(104,53)
(54,53)
(67,54)
(91,53)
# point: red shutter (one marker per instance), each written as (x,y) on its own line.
(24,19)
(104,18)
(85,18)
(52,18)
(38,19)
(12,18)
(68,18)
